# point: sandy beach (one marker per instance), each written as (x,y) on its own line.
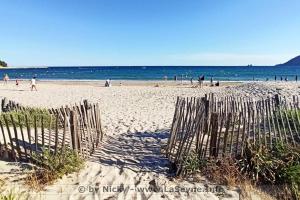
(136,118)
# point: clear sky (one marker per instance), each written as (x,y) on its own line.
(149,32)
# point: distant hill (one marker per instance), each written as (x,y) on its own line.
(3,64)
(293,62)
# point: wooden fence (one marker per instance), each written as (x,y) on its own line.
(212,127)
(77,127)
(8,105)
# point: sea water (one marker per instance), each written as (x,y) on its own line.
(220,73)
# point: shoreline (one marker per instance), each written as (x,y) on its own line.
(152,80)
(156,83)
(121,82)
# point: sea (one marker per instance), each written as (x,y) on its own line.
(218,73)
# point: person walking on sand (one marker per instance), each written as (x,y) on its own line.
(5,79)
(33,83)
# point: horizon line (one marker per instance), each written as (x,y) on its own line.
(47,66)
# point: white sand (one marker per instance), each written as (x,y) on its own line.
(136,119)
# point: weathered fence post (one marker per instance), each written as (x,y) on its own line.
(10,138)
(277,102)
(73,129)
(4,139)
(214,135)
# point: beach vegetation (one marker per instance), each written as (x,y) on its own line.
(33,114)
(13,195)
(191,163)
(278,167)
(225,171)
(51,166)
(291,116)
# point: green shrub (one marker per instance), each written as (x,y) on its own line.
(191,163)
(291,175)
(53,166)
(292,114)
(278,166)
(31,113)
(291,117)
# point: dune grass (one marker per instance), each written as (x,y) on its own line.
(31,114)
(51,167)
(278,167)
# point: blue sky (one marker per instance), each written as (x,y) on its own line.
(149,32)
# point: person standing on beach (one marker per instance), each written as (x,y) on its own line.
(107,83)
(17,82)
(5,79)
(275,77)
(201,79)
(33,83)
(296,78)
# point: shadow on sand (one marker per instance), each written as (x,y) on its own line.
(139,151)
